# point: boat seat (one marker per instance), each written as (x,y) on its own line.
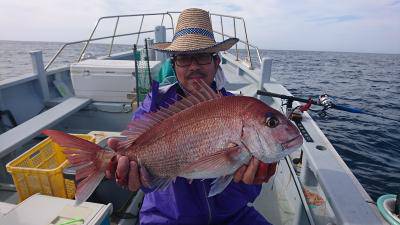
(16,137)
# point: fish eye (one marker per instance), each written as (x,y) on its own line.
(272,121)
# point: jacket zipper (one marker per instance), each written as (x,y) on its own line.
(208,204)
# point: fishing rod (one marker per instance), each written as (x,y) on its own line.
(324,101)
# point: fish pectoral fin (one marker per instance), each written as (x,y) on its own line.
(224,162)
(160,183)
(153,182)
(219,184)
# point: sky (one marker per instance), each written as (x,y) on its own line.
(371,26)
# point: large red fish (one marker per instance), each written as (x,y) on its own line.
(201,136)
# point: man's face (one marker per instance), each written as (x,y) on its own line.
(191,67)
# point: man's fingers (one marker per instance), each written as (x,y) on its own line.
(113,143)
(121,173)
(262,173)
(271,170)
(249,174)
(112,167)
(239,173)
(265,172)
(145,177)
(134,177)
(108,174)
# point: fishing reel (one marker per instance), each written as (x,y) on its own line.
(295,114)
(323,101)
(326,102)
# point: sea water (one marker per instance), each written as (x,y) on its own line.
(369,145)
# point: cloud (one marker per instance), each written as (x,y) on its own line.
(272,24)
(394,3)
(335,19)
(233,8)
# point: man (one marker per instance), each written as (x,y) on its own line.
(185,202)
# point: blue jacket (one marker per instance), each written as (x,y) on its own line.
(184,203)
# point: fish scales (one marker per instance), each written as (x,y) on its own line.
(189,135)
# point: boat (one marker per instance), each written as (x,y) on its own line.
(96,95)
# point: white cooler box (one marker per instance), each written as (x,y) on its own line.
(48,210)
(106,80)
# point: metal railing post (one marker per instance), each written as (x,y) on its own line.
(38,68)
(90,38)
(266,66)
(112,40)
(172,23)
(234,30)
(160,36)
(222,29)
(247,45)
(54,57)
(152,52)
(140,29)
(162,20)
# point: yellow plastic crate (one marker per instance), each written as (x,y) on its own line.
(40,170)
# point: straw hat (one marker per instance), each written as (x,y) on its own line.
(194,34)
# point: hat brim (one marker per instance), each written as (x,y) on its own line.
(221,46)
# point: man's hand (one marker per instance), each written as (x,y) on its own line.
(126,172)
(255,173)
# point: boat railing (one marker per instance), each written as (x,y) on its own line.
(114,35)
(245,42)
(171,27)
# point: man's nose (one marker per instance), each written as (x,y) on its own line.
(194,65)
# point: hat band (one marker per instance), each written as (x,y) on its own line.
(199,31)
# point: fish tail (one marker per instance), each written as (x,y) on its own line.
(89,160)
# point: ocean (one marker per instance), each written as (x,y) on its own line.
(369,145)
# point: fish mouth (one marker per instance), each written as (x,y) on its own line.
(280,150)
(293,143)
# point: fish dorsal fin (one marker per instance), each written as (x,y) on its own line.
(137,127)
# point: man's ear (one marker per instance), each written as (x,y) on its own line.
(172,63)
(217,60)
(173,66)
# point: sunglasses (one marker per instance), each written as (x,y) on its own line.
(186,60)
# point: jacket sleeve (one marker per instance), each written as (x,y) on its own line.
(143,108)
(149,104)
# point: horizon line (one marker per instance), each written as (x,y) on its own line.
(304,50)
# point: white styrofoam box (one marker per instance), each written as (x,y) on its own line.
(5,208)
(106,80)
(48,210)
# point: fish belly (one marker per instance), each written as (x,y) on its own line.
(187,141)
